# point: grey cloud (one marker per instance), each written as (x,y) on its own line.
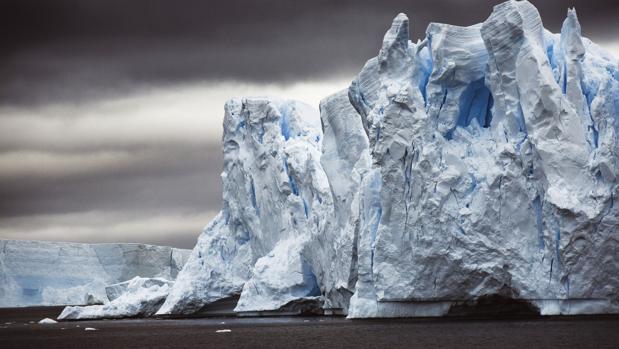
(82,49)
(177,178)
(170,228)
(148,154)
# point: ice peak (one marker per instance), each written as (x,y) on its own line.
(394,54)
(571,39)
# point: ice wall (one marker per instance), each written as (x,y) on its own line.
(487,175)
(60,273)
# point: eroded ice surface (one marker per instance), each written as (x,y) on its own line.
(494,158)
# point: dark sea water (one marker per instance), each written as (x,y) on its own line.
(19,329)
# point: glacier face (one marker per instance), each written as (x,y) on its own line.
(478,162)
(59,273)
(494,166)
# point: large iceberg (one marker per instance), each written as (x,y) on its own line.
(479,163)
(494,159)
(60,273)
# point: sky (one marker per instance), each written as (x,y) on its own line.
(111,111)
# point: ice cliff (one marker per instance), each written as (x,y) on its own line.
(478,162)
(59,273)
(276,200)
(494,156)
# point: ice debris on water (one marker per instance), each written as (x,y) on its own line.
(48,321)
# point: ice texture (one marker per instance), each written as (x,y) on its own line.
(276,198)
(138,297)
(478,163)
(58,273)
(487,178)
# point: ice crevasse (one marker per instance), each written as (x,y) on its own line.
(480,161)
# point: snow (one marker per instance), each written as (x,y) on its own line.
(58,273)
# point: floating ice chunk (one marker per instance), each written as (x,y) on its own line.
(47,321)
(136,297)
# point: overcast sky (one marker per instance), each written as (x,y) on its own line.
(110,111)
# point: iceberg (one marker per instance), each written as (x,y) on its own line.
(485,177)
(36,273)
(276,198)
(477,164)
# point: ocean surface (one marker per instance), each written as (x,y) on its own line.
(19,328)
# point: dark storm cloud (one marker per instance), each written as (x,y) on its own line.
(110,111)
(153,178)
(79,50)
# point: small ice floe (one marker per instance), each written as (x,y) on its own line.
(90,329)
(305,320)
(31,322)
(48,321)
(226,330)
(9,323)
(222,323)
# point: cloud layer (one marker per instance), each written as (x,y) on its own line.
(153,156)
(110,111)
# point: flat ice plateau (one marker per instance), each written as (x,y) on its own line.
(479,162)
(34,273)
